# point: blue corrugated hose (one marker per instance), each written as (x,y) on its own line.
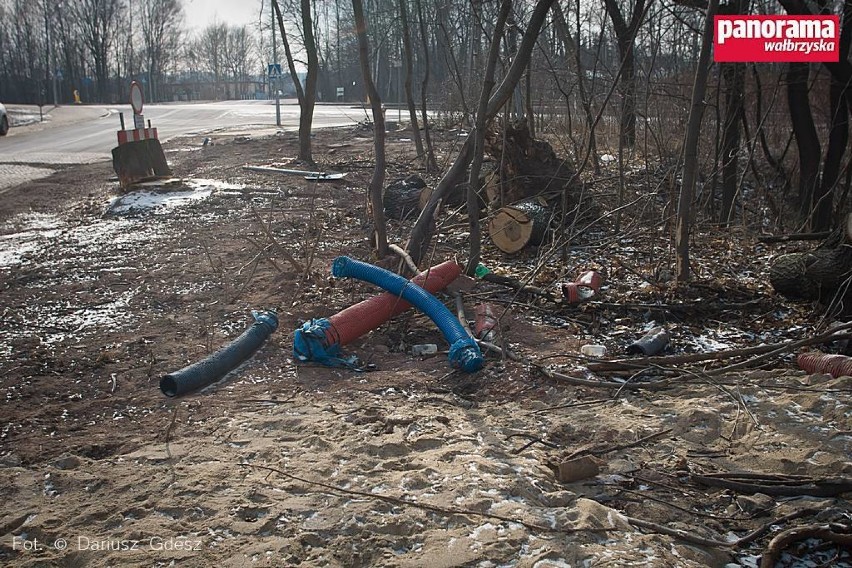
(464,352)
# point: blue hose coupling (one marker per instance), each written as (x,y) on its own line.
(339,265)
(465,355)
(269,319)
(310,342)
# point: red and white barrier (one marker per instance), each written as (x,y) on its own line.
(125,136)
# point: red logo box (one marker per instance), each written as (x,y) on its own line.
(806,39)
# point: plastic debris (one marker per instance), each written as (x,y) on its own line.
(481,270)
(593,350)
(424,349)
(583,288)
(486,322)
(651,343)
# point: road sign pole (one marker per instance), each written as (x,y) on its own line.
(277,107)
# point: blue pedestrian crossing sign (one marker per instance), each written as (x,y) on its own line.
(274,70)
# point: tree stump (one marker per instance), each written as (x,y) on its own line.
(524,166)
(818,274)
(516,226)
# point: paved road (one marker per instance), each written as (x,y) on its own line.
(77,135)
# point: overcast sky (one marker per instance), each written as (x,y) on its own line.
(199,13)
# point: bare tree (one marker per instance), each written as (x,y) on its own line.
(238,58)
(209,51)
(625,33)
(378,180)
(420,237)
(307,96)
(161,22)
(409,63)
(473,186)
(98,21)
(431,164)
(690,149)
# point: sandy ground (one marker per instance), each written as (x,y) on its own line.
(409,465)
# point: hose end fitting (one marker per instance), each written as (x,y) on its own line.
(339,266)
(465,355)
(269,319)
(310,342)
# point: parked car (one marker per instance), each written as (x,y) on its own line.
(4,121)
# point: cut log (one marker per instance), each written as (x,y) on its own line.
(516,226)
(402,197)
(818,274)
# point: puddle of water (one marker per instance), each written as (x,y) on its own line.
(160,201)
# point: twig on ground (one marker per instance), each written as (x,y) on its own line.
(409,262)
(777,486)
(691,536)
(284,252)
(602,451)
(793,237)
(776,546)
(518,286)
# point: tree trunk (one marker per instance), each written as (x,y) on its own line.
(419,240)
(823,199)
(822,204)
(306,106)
(625,33)
(409,98)
(376,183)
(306,96)
(474,186)
(804,130)
(734,79)
(819,274)
(431,163)
(564,33)
(690,150)
(514,227)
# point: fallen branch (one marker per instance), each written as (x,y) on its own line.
(783,348)
(409,262)
(519,286)
(690,536)
(777,486)
(561,377)
(785,538)
(602,451)
(794,237)
(671,360)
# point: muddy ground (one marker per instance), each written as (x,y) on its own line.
(410,464)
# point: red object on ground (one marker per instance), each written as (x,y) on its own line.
(486,321)
(834,365)
(583,288)
(353,322)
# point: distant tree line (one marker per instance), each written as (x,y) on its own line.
(51,48)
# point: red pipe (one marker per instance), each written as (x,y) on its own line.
(834,365)
(353,322)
